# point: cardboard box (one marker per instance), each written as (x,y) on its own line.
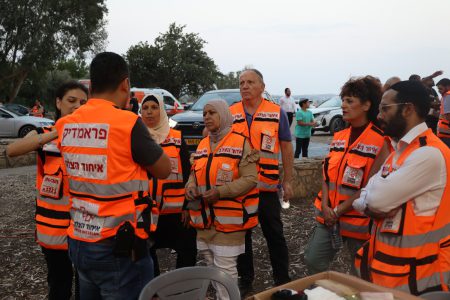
(351,281)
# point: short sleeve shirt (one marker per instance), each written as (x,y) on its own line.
(284,132)
(302,131)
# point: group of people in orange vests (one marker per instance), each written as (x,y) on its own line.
(113,187)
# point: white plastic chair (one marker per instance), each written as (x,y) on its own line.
(188,283)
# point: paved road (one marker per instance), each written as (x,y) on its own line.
(319,143)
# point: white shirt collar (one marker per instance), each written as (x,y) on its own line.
(410,136)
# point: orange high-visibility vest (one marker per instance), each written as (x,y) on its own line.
(169,192)
(346,170)
(409,252)
(52,197)
(443,129)
(215,168)
(107,187)
(263,136)
(35,111)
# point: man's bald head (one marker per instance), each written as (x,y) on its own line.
(256,72)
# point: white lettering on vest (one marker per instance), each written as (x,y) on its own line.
(86,166)
(85,135)
(229,150)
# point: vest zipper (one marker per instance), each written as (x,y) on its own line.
(208,184)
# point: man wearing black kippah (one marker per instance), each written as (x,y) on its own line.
(408,248)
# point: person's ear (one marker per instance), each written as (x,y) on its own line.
(58,103)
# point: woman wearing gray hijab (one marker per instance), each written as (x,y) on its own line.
(221,191)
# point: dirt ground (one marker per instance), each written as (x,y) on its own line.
(23,270)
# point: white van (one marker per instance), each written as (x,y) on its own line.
(173,106)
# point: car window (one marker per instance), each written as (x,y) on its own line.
(333,102)
(168,100)
(230,97)
(4,114)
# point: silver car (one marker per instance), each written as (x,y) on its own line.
(13,125)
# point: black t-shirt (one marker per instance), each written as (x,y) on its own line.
(144,149)
(134,105)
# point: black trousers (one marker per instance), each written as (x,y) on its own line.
(60,275)
(171,234)
(269,213)
(301,146)
(290,116)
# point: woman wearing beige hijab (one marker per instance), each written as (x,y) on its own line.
(173,230)
(221,191)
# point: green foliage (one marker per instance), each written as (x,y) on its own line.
(228,81)
(76,67)
(34,34)
(176,62)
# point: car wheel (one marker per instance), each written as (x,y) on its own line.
(312,131)
(336,124)
(25,130)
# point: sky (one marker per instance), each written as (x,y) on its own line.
(312,46)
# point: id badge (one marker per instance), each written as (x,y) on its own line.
(385,170)
(268,142)
(353,177)
(392,224)
(224,175)
(174,164)
(51,186)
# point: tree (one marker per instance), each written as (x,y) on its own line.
(228,81)
(34,34)
(176,62)
(76,67)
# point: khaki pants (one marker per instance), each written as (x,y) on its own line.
(319,254)
(226,264)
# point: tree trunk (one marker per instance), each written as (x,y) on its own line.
(16,84)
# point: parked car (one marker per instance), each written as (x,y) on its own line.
(297,104)
(17,109)
(329,115)
(190,122)
(14,125)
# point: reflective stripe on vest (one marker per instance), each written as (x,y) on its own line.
(169,192)
(346,170)
(263,136)
(52,197)
(215,169)
(107,187)
(413,255)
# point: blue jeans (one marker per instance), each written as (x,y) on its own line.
(105,276)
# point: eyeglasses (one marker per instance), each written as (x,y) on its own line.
(383,107)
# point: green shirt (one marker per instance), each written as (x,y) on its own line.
(306,117)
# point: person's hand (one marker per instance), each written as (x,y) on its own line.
(185,218)
(380,215)
(437,73)
(211,196)
(329,216)
(288,192)
(192,193)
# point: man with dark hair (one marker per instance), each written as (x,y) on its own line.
(107,152)
(305,123)
(433,114)
(409,198)
(134,105)
(267,127)
(443,131)
(287,103)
